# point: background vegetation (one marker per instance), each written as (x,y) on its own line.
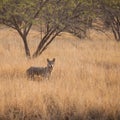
(56,16)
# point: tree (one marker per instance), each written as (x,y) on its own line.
(20,15)
(56,16)
(63,15)
(110,10)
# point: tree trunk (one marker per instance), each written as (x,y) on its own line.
(27,51)
(44,44)
(44,40)
(24,38)
(116,31)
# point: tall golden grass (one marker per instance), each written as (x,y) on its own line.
(84,85)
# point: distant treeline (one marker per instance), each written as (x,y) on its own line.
(55,16)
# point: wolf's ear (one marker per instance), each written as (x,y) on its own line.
(53,59)
(48,60)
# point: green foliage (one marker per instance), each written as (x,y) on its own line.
(22,10)
(64,12)
(113,4)
(20,14)
(110,14)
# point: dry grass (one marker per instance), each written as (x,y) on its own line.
(85,83)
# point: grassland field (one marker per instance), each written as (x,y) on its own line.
(84,85)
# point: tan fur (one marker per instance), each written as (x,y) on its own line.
(44,72)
